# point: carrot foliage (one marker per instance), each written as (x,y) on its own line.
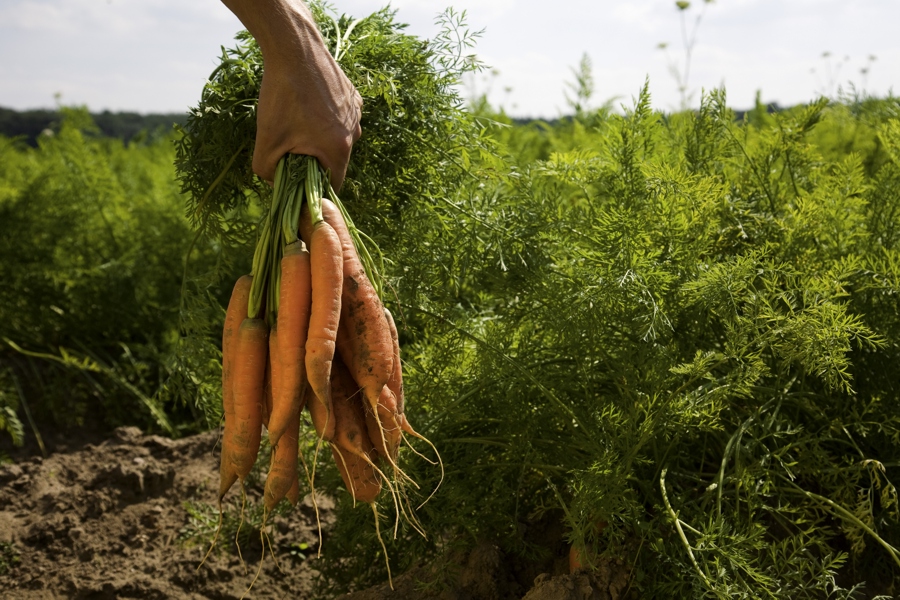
(678,335)
(675,334)
(92,245)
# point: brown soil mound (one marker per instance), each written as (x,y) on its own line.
(111,520)
(486,574)
(108,521)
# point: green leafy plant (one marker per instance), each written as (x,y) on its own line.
(667,328)
(674,334)
(682,73)
(92,246)
(9,557)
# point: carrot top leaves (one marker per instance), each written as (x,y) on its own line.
(414,122)
(298,179)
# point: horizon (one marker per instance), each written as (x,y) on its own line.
(56,109)
(153,57)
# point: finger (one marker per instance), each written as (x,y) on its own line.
(340,161)
(265,158)
(337,179)
(339,170)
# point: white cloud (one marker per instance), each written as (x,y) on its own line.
(99,17)
(153,55)
(642,16)
(487,10)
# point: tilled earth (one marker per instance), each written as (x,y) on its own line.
(113,520)
(110,521)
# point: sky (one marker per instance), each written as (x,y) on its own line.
(154,55)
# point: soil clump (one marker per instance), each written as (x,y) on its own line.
(111,520)
(131,517)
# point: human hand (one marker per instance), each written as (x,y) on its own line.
(306,106)
(306,103)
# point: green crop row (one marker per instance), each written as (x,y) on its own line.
(93,246)
(678,334)
(673,335)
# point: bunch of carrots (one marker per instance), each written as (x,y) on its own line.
(307,329)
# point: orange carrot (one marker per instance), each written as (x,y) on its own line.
(395,383)
(574,559)
(283,471)
(293,324)
(249,382)
(383,422)
(274,377)
(237,309)
(350,432)
(352,447)
(321,415)
(359,477)
(325,274)
(293,494)
(267,386)
(364,339)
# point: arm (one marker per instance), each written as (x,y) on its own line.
(306,103)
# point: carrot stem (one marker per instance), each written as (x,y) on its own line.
(314,191)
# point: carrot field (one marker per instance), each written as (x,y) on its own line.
(662,347)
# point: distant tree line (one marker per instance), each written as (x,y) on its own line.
(30,124)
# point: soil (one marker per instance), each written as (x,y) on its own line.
(486,574)
(111,520)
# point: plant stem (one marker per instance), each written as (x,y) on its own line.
(684,540)
(846,514)
(37,434)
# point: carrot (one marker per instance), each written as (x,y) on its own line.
(267,386)
(352,448)
(321,416)
(283,471)
(237,309)
(249,381)
(350,432)
(358,475)
(293,494)
(395,383)
(576,560)
(383,423)
(293,325)
(227,472)
(274,377)
(325,275)
(364,339)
